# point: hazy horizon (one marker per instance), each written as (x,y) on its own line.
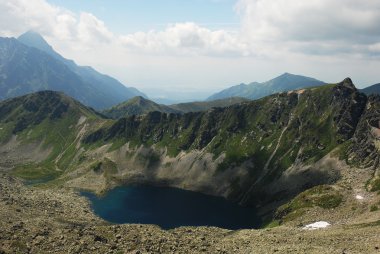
(200,47)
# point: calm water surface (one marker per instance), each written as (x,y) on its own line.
(170,208)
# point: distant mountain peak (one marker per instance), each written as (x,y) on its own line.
(374,89)
(30,64)
(139,100)
(289,75)
(255,90)
(32,34)
(33,39)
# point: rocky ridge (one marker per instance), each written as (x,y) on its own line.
(241,152)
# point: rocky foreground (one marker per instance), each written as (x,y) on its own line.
(57,220)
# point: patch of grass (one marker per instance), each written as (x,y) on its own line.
(117,144)
(32,172)
(323,196)
(293,215)
(272,224)
(342,150)
(5,131)
(328,201)
(373,208)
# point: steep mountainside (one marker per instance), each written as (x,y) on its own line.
(38,133)
(116,90)
(255,90)
(25,69)
(136,106)
(243,152)
(206,105)
(374,89)
(261,153)
(140,106)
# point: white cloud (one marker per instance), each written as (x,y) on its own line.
(375,47)
(187,38)
(313,26)
(18,16)
(269,28)
(90,28)
(275,28)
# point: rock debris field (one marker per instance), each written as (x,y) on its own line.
(58,220)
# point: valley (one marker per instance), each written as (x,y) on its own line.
(241,152)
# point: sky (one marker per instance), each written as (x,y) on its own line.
(189,49)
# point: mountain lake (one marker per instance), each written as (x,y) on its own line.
(170,208)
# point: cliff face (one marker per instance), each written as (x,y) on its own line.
(364,145)
(363,149)
(261,151)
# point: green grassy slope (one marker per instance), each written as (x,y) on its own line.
(48,118)
(141,106)
(136,106)
(206,105)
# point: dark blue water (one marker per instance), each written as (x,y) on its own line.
(170,208)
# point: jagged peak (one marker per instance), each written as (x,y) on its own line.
(138,99)
(33,39)
(32,35)
(347,82)
(285,74)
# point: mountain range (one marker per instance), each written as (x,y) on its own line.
(256,90)
(137,106)
(240,152)
(285,146)
(30,64)
(374,89)
(140,105)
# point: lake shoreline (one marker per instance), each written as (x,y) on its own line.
(59,220)
(164,205)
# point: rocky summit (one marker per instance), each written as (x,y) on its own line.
(303,158)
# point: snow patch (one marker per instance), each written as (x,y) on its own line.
(317,225)
(81,120)
(359,197)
